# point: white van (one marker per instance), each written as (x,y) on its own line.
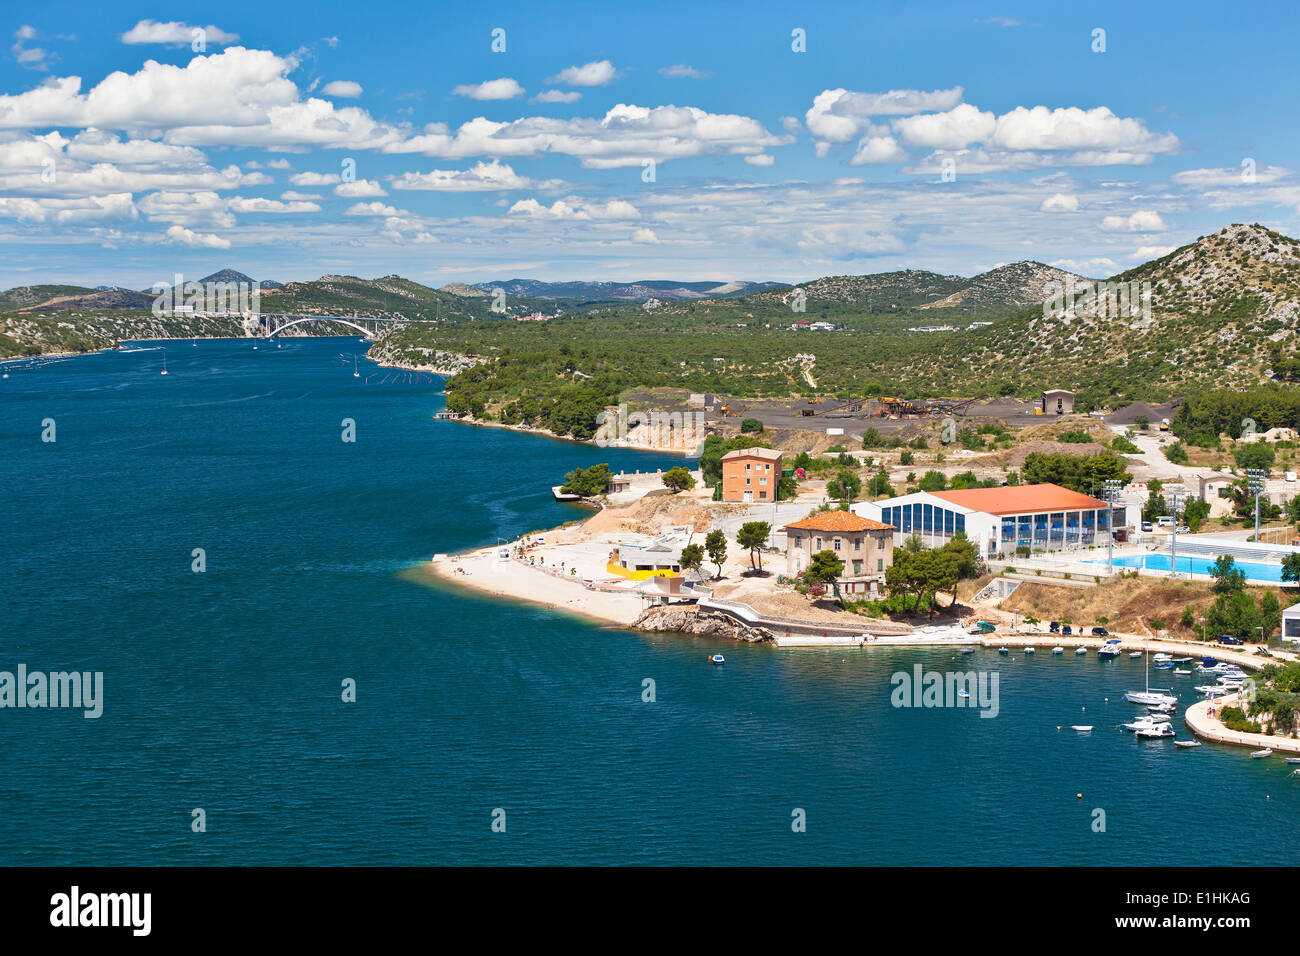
(1165,521)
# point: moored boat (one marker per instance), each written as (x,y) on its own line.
(1187,743)
(1152,733)
(1058,650)
(717,659)
(1080,650)
(1081,728)
(1261,754)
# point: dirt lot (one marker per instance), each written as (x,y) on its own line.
(1128,604)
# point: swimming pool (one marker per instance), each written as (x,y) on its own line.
(1271,573)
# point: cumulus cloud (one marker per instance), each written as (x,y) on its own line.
(89,209)
(180,236)
(557,96)
(504,88)
(840,115)
(575,209)
(597,73)
(878,149)
(680,71)
(762,159)
(1144,220)
(345,89)
(1245,175)
(372,209)
(1060,202)
(30,57)
(645,235)
(482,177)
(257,204)
(313,179)
(359,189)
(952,129)
(175,33)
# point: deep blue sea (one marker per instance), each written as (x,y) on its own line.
(223,688)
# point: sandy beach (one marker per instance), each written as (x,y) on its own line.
(486,572)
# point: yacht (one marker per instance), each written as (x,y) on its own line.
(1147,721)
(1149,696)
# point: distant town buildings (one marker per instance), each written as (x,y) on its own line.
(751,474)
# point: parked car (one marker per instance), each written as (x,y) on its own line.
(1055,627)
(1229,639)
(1183,529)
(1100,632)
(1066,630)
(1148,527)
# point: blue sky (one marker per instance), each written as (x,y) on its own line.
(377,138)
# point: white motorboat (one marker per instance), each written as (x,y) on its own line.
(1081,728)
(1293,759)
(1161,657)
(1147,721)
(1029,650)
(1058,650)
(1134,655)
(1161,709)
(1080,650)
(1179,670)
(1108,650)
(1004,650)
(1155,732)
(1187,743)
(717,659)
(1261,754)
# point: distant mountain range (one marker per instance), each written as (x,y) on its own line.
(639,291)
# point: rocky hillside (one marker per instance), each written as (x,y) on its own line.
(639,291)
(1017,285)
(1221,312)
(384,297)
(878,292)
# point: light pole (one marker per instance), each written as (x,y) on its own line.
(1173,497)
(1110,486)
(1256,487)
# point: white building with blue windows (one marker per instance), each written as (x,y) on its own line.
(1042,517)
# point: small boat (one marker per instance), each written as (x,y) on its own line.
(1154,733)
(717,659)
(1293,759)
(1108,650)
(968,650)
(1161,709)
(1058,650)
(355,373)
(1179,670)
(1004,650)
(1080,650)
(1162,657)
(1081,728)
(1261,754)
(164,370)
(1146,722)
(1187,743)
(963,693)
(1182,660)
(1029,650)
(1134,655)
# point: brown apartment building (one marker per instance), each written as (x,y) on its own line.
(751,474)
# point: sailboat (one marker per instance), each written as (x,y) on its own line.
(1148,697)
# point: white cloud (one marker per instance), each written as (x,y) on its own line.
(597,73)
(313,179)
(115,206)
(682,71)
(1060,202)
(625,136)
(1072,128)
(174,33)
(30,57)
(360,189)
(1144,220)
(1145,253)
(373,209)
(645,235)
(878,149)
(954,129)
(345,89)
(575,209)
(557,96)
(1229,177)
(503,89)
(482,177)
(762,159)
(290,195)
(840,115)
(257,204)
(180,236)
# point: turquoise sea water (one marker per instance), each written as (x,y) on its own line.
(223,688)
(1188,564)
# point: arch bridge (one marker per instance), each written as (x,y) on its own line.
(273,323)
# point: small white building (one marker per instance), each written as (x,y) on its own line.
(1291,624)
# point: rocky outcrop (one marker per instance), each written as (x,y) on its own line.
(691,620)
